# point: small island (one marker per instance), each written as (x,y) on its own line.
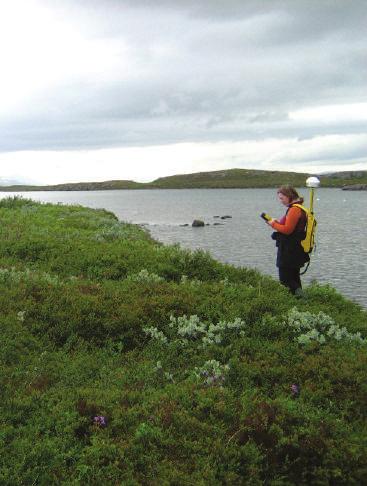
(355,187)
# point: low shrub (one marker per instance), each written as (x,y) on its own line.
(127,362)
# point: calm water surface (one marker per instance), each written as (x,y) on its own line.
(244,239)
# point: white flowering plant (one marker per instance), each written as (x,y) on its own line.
(154,333)
(185,330)
(194,282)
(16,276)
(191,332)
(212,373)
(116,230)
(318,328)
(145,276)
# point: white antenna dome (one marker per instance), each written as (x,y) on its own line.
(312,182)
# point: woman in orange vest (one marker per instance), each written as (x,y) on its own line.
(289,232)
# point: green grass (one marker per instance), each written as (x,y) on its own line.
(97,320)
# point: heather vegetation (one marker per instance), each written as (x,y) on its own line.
(124,361)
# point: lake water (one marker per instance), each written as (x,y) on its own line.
(244,240)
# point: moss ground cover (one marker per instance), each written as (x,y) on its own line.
(124,361)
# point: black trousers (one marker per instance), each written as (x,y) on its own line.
(290,278)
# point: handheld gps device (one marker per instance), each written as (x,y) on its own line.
(265,216)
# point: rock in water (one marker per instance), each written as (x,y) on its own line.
(197,223)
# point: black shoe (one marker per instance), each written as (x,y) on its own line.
(299,294)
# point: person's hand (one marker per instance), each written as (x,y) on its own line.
(272,221)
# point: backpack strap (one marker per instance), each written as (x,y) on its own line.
(306,210)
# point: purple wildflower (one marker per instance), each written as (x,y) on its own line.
(100,421)
(295,390)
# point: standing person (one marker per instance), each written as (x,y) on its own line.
(289,232)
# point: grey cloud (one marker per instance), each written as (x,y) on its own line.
(354,151)
(205,71)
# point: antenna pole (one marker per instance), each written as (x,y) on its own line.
(312,191)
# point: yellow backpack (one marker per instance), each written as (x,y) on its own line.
(308,244)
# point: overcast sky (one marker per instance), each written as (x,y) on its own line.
(139,89)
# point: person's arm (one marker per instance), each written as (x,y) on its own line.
(290,223)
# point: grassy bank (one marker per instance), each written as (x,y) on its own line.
(124,361)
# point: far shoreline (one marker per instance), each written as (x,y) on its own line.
(13,191)
(222,179)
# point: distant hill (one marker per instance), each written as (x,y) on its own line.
(227,179)
(77,186)
(243,178)
(356,174)
(348,180)
(233,178)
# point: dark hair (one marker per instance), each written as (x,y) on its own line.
(290,192)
